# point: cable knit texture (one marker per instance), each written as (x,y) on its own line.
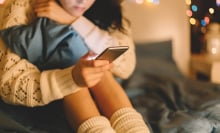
(15,81)
(128,120)
(98,124)
(21,83)
(16,12)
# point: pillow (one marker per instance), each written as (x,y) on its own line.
(153,59)
(162,50)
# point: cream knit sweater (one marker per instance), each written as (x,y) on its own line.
(21,83)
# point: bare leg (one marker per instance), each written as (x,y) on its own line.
(115,105)
(76,107)
(109,95)
(83,115)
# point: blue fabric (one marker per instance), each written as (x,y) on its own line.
(45,43)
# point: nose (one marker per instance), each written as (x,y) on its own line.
(81,1)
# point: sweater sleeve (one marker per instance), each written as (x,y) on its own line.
(98,39)
(21,83)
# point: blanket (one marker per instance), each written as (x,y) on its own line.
(169,101)
(177,105)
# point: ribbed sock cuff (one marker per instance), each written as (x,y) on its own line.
(98,124)
(128,120)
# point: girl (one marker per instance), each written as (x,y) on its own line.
(107,93)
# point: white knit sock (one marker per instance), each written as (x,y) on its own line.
(128,120)
(98,124)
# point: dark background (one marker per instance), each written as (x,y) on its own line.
(198,31)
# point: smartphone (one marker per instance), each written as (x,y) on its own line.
(112,53)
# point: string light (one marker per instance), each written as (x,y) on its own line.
(2,1)
(211,10)
(207,20)
(192,21)
(154,2)
(150,1)
(188,2)
(218,2)
(139,1)
(189,13)
(203,22)
(194,8)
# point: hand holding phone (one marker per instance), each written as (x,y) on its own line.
(112,53)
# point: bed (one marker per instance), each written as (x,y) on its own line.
(168,101)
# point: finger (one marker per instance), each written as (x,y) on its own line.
(97,70)
(93,76)
(44,10)
(41,13)
(93,83)
(94,63)
(41,3)
(41,7)
(98,63)
(93,80)
(86,63)
(45,4)
(88,56)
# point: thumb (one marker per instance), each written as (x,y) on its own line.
(89,56)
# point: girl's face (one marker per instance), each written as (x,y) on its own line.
(76,7)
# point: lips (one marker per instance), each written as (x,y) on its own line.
(81,9)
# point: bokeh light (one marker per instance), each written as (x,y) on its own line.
(211,10)
(139,1)
(203,22)
(188,2)
(218,2)
(194,8)
(207,20)
(2,1)
(156,2)
(192,21)
(189,13)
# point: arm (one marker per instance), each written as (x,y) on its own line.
(94,36)
(21,83)
(45,43)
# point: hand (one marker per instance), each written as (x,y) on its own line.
(88,73)
(52,10)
